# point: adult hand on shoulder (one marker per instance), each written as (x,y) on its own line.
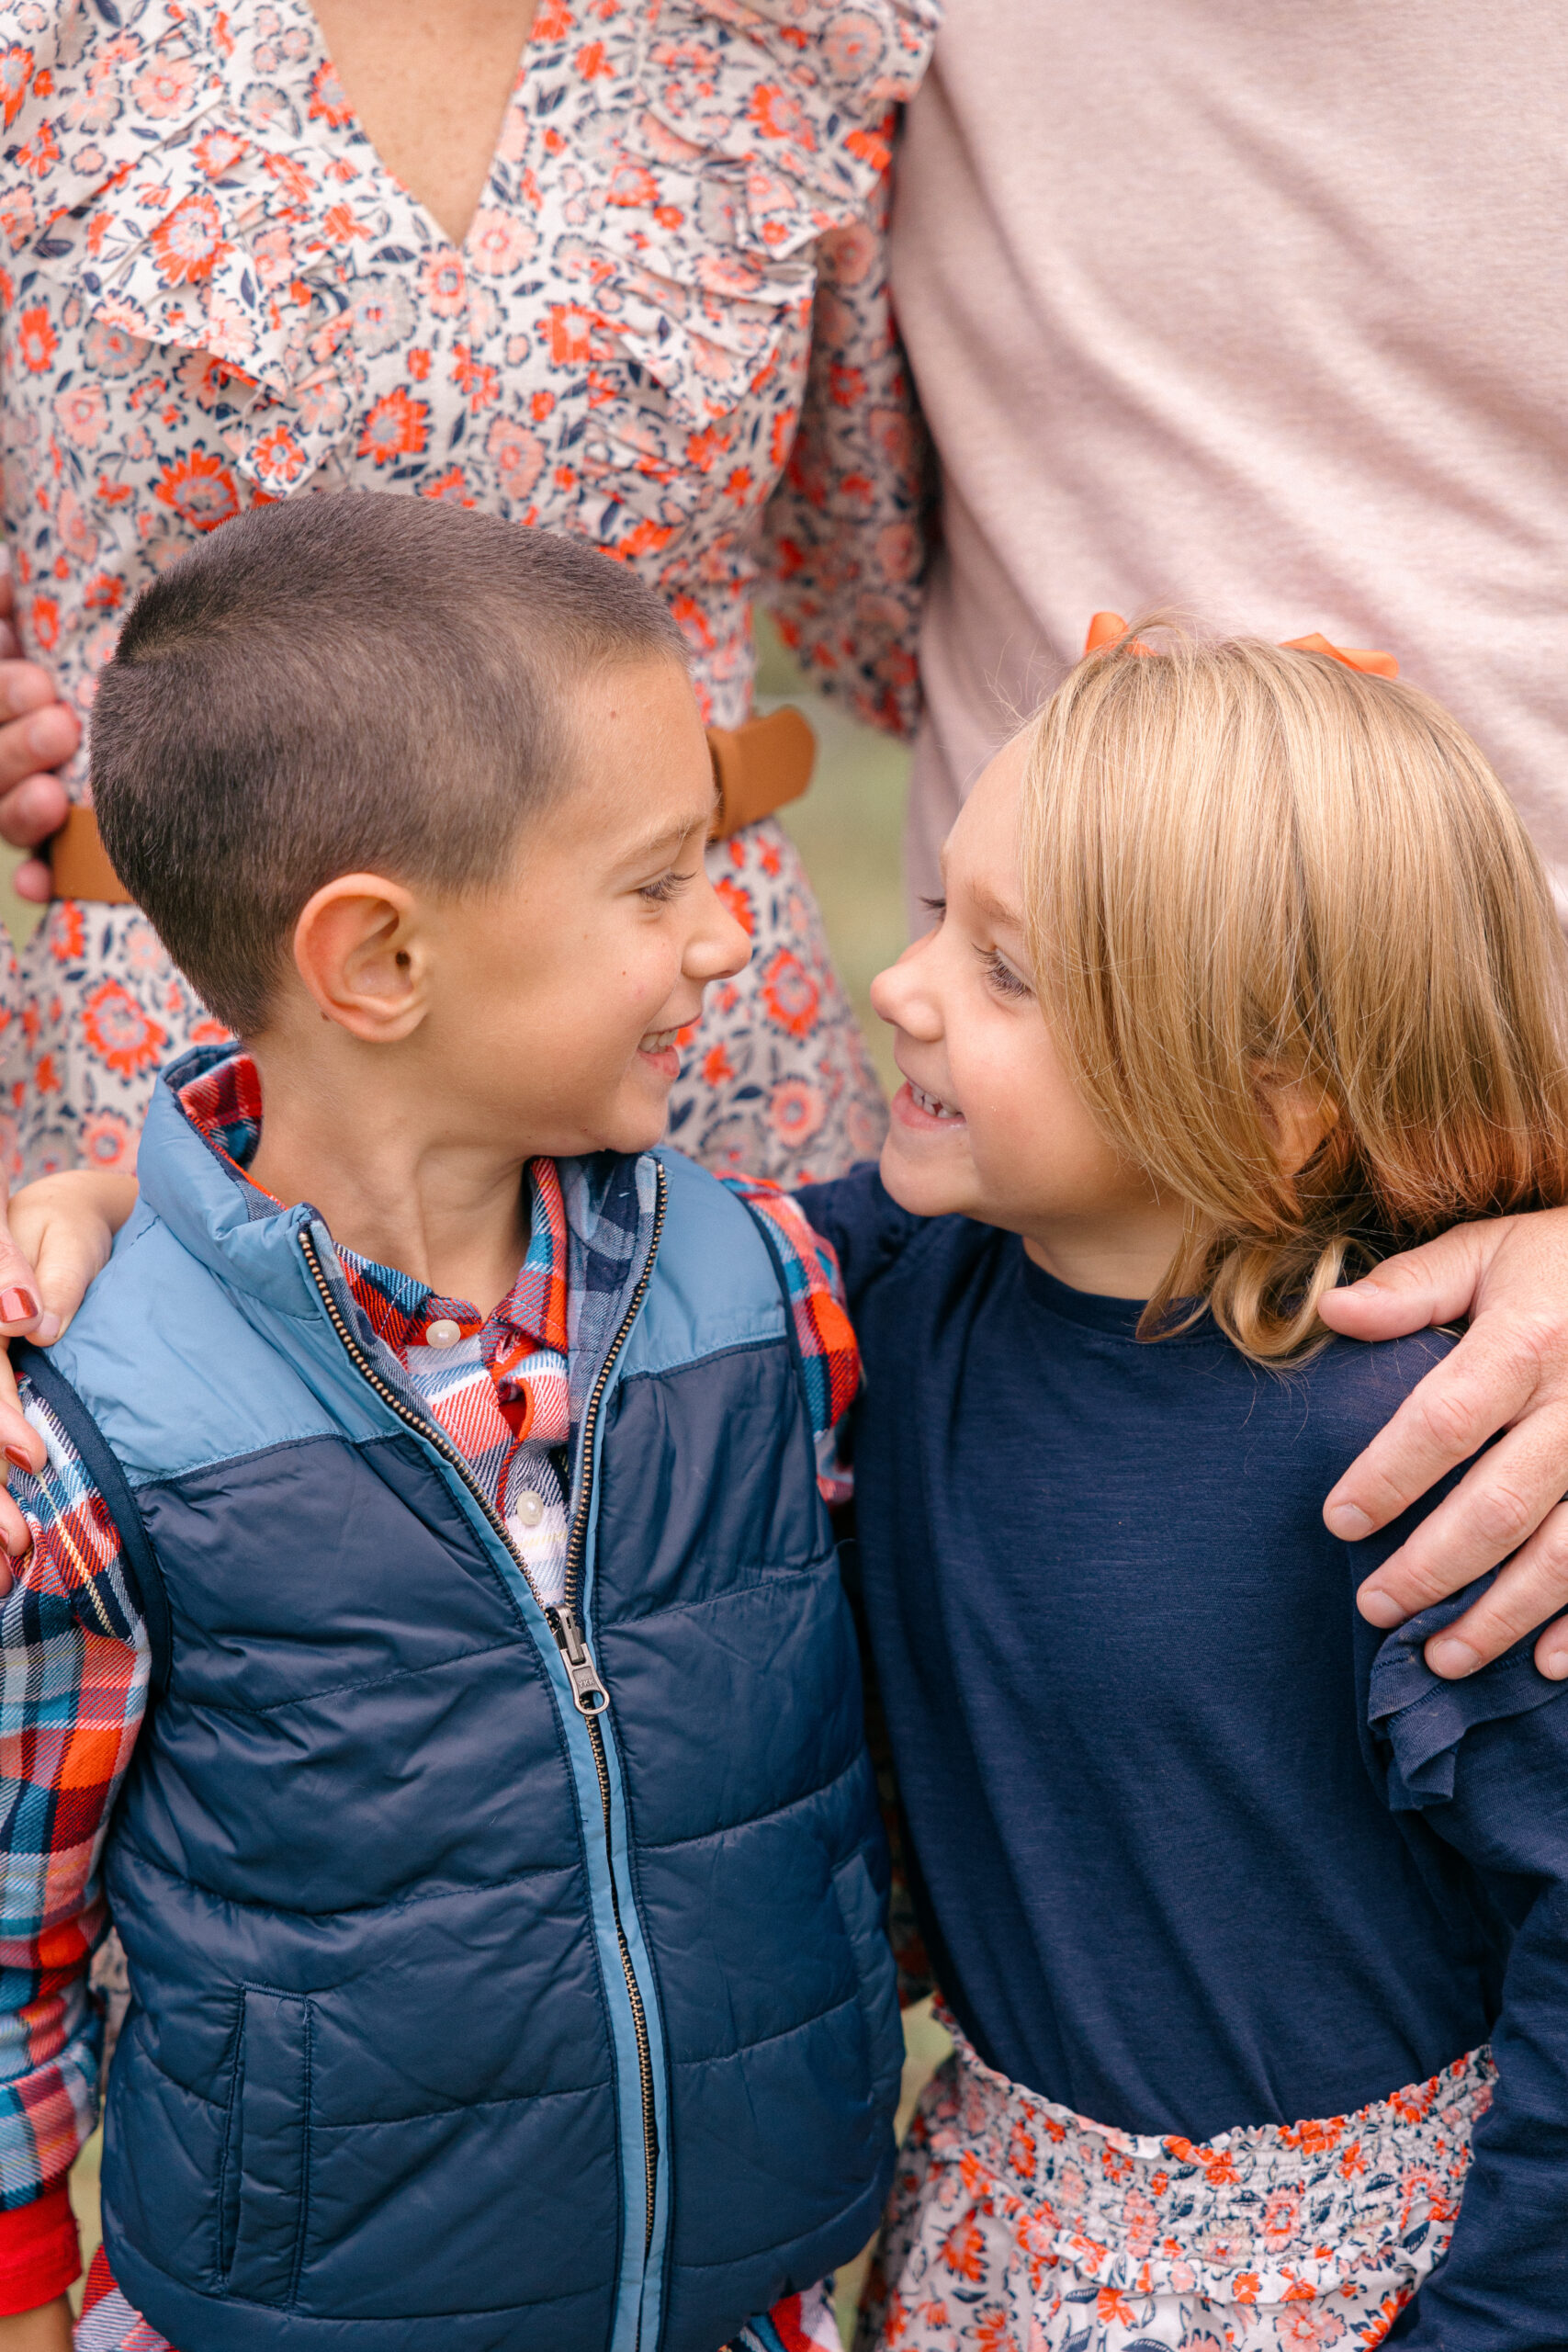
(54,1236)
(38,734)
(1510,1373)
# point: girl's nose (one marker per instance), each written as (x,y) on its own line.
(904,995)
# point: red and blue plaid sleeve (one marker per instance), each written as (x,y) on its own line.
(73,1675)
(829,1354)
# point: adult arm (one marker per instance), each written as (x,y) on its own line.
(1509,1374)
(71,1703)
(38,734)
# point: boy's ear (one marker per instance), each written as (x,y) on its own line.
(1297,1114)
(362,953)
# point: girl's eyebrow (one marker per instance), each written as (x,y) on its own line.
(1005,915)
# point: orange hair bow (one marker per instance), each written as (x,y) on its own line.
(1105,630)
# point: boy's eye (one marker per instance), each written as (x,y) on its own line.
(668,886)
(935,907)
(1001,976)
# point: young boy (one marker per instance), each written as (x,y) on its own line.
(429,1574)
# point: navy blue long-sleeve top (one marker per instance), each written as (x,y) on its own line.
(1194,1846)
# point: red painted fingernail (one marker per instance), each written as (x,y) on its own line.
(13,1454)
(17,1306)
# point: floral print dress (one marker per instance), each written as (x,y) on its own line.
(667,329)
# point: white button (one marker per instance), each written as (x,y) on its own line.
(529,1508)
(442,1332)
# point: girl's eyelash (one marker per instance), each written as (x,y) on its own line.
(1003,979)
(660,893)
(937,906)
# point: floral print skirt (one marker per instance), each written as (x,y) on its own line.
(1016,2226)
(776,1080)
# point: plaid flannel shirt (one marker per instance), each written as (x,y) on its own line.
(75,1658)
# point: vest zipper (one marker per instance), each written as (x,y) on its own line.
(587,1692)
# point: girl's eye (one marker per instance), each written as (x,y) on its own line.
(668,887)
(935,907)
(1001,976)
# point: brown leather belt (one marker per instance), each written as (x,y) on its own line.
(759,768)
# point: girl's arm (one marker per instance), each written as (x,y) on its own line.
(58,1235)
(1485,1762)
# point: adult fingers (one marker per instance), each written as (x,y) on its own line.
(34,880)
(1436,1284)
(1532,1588)
(1492,1378)
(1498,1515)
(37,731)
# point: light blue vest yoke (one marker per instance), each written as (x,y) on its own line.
(389,2079)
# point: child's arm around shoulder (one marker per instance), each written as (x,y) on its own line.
(74,1657)
(830,1358)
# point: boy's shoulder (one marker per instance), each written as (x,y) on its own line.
(170,1369)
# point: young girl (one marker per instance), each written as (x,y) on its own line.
(1253,1934)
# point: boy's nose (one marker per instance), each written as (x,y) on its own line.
(721,947)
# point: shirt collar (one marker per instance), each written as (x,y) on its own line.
(224,1105)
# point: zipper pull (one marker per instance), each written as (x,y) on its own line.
(582,1673)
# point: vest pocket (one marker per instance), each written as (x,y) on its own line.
(262,2179)
(862,1912)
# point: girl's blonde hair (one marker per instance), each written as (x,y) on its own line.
(1246,864)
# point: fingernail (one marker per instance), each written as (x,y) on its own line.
(1347,1521)
(1554,1665)
(17,1306)
(48,1329)
(1450,1658)
(1379,1607)
(16,1454)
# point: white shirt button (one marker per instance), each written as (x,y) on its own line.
(442,1332)
(529,1508)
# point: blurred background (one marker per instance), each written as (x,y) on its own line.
(846,829)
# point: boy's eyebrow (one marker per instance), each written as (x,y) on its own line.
(670,836)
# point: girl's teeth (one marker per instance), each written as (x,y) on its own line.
(933,1104)
(658,1041)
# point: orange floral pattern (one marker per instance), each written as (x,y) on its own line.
(1015,2225)
(667,329)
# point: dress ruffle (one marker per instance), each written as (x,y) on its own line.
(768,126)
(1423,1719)
(192,239)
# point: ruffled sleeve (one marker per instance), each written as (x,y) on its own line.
(847,534)
(179,198)
(1421,1720)
(757,131)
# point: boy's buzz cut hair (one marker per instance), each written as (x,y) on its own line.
(339,682)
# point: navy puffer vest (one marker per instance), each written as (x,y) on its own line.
(464,2019)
